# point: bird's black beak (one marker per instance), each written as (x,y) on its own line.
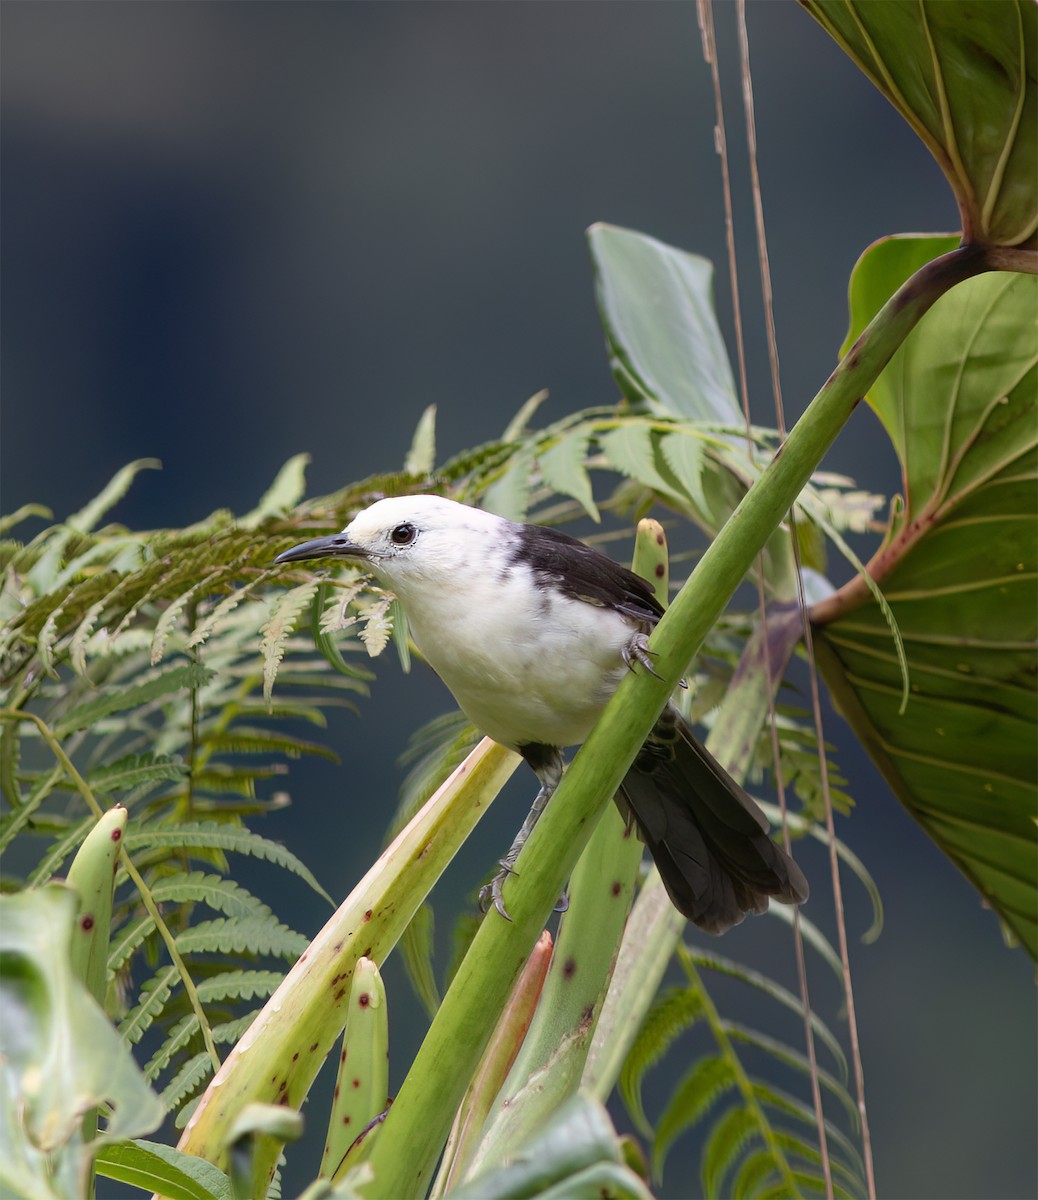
(336,546)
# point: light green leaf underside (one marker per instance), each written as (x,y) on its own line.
(657,308)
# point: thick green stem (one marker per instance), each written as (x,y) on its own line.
(405,1153)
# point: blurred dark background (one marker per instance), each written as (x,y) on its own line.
(232,232)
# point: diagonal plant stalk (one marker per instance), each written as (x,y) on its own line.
(655,927)
(405,1154)
(278,1057)
(548,1067)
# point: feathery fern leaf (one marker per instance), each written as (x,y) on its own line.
(209,835)
(705,1082)
(284,616)
(726,1140)
(673,1012)
(175,679)
(247,935)
(155,993)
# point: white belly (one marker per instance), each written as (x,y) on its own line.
(523,676)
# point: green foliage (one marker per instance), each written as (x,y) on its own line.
(144,655)
(59,1056)
(959,568)
(761,1135)
(963,76)
(164,671)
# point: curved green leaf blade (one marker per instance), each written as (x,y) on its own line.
(155,1167)
(964,77)
(59,1056)
(959,569)
(657,307)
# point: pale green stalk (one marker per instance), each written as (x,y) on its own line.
(362,1081)
(278,1057)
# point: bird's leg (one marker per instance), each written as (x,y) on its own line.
(548,764)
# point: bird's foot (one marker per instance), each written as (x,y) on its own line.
(637,651)
(490,893)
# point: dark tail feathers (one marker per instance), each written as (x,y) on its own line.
(708,838)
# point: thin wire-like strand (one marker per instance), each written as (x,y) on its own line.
(834,866)
(706,25)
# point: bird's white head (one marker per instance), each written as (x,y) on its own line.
(411,541)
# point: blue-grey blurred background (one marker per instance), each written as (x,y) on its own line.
(232,232)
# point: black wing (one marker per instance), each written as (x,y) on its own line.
(566,564)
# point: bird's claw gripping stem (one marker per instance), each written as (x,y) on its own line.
(490,893)
(637,651)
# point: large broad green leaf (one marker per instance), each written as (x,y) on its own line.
(963,74)
(959,568)
(60,1058)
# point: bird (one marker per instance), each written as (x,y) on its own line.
(532,630)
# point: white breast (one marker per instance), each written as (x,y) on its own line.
(526,665)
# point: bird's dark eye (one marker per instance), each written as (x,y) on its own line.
(403,535)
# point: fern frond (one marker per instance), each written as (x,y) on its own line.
(182,1033)
(211,622)
(284,493)
(673,1012)
(239,985)
(154,996)
(284,616)
(432,753)
(726,1141)
(756,1175)
(792,1058)
(133,770)
(852,1166)
(219,893)
(248,935)
(705,1082)
(166,683)
(763,983)
(796,1148)
(210,835)
(188,1079)
(416,949)
(174,610)
(10,757)
(376,625)
(88,516)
